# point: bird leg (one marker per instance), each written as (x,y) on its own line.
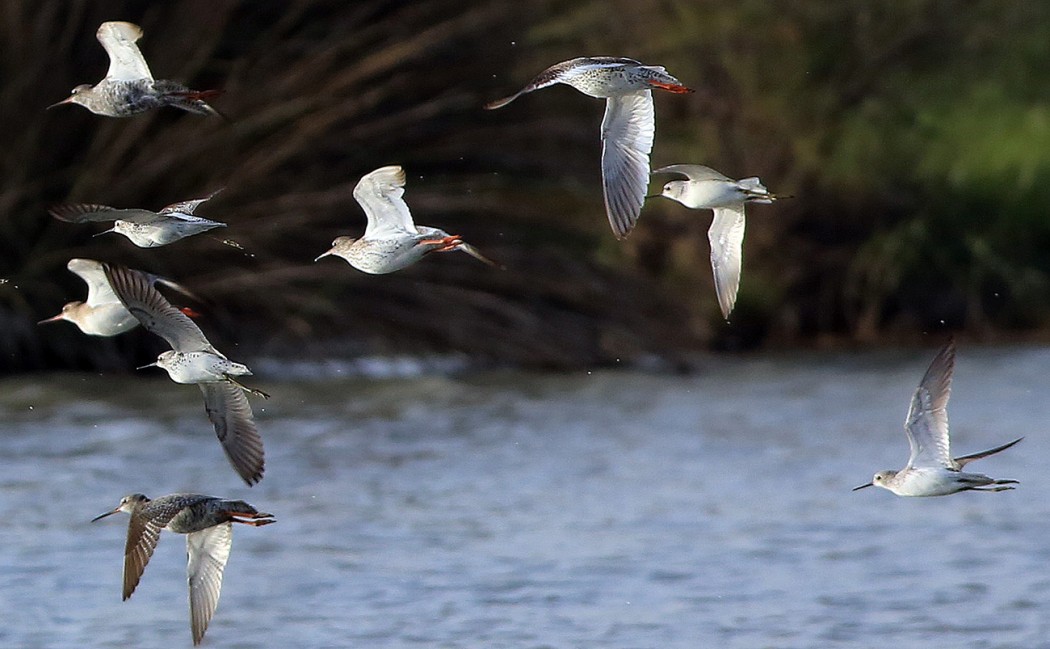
(445,244)
(254,523)
(671,87)
(258,393)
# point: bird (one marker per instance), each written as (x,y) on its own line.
(145,228)
(628,127)
(102,314)
(392,241)
(192,359)
(931,469)
(129,87)
(709,189)
(207,523)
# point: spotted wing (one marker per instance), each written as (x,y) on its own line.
(693,172)
(190,206)
(927,422)
(125,60)
(627,138)
(91,213)
(231,414)
(208,551)
(379,194)
(136,292)
(726,235)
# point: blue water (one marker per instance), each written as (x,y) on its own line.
(606,509)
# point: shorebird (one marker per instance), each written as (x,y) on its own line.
(931,469)
(708,189)
(102,314)
(207,523)
(145,228)
(192,359)
(129,87)
(628,127)
(392,240)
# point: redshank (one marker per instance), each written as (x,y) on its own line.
(708,189)
(102,314)
(129,87)
(628,128)
(145,228)
(392,241)
(207,523)
(931,469)
(192,359)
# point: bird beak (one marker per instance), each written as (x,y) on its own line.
(870,484)
(99,234)
(101,516)
(324,255)
(654,195)
(153,364)
(67,100)
(53,319)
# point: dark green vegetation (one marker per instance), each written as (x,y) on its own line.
(914,135)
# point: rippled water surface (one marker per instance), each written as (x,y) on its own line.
(613,509)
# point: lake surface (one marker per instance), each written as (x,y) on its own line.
(506,509)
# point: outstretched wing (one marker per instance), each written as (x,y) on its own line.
(726,235)
(927,422)
(125,60)
(99,290)
(208,551)
(188,207)
(627,138)
(693,172)
(136,292)
(379,194)
(91,213)
(230,413)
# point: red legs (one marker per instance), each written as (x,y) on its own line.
(198,94)
(445,244)
(670,87)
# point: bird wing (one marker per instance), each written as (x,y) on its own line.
(136,292)
(726,235)
(188,207)
(126,62)
(208,550)
(927,422)
(143,533)
(91,213)
(627,138)
(231,414)
(379,194)
(99,290)
(693,172)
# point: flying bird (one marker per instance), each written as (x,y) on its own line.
(628,127)
(392,240)
(931,469)
(129,87)
(207,523)
(708,189)
(192,359)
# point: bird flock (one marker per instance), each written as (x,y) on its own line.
(120,299)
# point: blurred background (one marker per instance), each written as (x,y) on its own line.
(913,135)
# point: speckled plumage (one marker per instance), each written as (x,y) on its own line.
(207,523)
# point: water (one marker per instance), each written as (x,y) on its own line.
(612,509)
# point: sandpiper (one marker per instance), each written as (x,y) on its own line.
(207,523)
(192,359)
(129,87)
(708,189)
(391,240)
(931,469)
(102,314)
(145,228)
(628,127)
